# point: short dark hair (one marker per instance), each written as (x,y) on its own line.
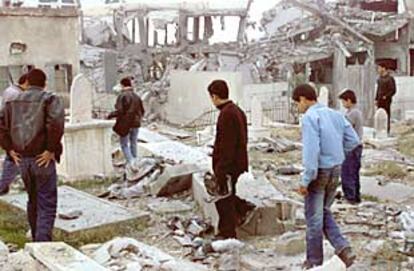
(22,79)
(348,94)
(219,88)
(37,78)
(126,82)
(306,91)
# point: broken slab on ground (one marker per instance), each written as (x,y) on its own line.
(122,252)
(58,256)
(274,214)
(94,210)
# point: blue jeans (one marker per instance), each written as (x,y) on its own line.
(129,144)
(41,186)
(319,219)
(10,171)
(350,175)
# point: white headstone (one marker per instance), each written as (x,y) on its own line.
(257,113)
(324,96)
(81,100)
(380,124)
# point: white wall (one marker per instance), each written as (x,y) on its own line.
(188,98)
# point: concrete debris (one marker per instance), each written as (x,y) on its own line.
(4,252)
(334,264)
(99,32)
(169,207)
(124,252)
(227,245)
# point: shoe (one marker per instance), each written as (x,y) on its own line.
(347,256)
(5,191)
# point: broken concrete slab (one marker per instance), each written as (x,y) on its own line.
(334,264)
(395,192)
(382,143)
(143,254)
(94,216)
(173,179)
(148,136)
(169,207)
(179,153)
(59,256)
(274,214)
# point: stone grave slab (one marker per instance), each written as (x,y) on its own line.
(395,192)
(149,136)
(409,115)
(324,96)
(274,214)
(179,152)
(94,212)
(257,131)
(59,256)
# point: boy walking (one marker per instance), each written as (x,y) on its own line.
(352,164)
(326,136)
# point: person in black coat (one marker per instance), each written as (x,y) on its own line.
(230,158)
(128,114)
(386,89)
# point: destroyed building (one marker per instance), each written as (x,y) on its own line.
(46,38)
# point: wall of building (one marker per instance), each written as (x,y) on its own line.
(51,37)
(188,98)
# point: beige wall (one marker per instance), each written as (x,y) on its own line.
(50,40)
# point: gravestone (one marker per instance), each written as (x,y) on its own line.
(81,100)
(380,124)
(324,96)
(257,112)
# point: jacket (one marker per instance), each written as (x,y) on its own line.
(230,146)
(385,88)
(32,123)
(128,112)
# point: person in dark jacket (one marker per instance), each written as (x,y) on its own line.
(128,114)
(10,169)
(31,129)
(230,158)
(386,89)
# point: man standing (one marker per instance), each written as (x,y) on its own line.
(386,89)
(128,114)
(31,128)
(352,164)
(10,170)
(326,136)
(230,158)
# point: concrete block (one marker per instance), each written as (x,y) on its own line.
(97,214)
(169,207)
(62,257)
(382,143)
(4,251)
(409,115)
(274,214)
(394,192)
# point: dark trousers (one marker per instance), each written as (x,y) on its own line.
(350,175)
(41,186)
(231,210)
(10,171)
(386,105)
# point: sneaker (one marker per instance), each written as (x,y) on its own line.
(347,256)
